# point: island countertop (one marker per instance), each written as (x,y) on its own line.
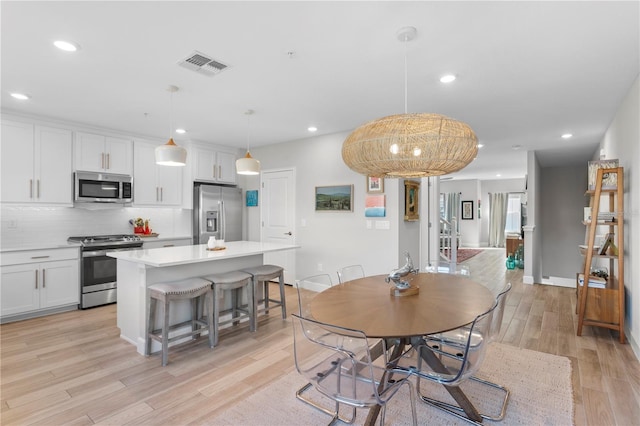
(183,255)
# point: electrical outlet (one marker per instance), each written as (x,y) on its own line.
(320,267)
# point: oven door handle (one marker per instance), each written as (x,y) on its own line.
(98,253)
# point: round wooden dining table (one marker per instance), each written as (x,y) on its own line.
(444,302)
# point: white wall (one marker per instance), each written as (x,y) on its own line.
(334,239)
(622,141)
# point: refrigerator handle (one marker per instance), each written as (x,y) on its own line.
(223,231)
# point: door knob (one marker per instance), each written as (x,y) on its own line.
(288,233)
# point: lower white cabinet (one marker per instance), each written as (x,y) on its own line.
(32,287)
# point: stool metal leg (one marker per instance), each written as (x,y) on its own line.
(265,284)
(152,320)
(165,334)
(282,299)
(216,314)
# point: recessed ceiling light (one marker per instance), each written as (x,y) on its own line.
(567,136)
(480,145)
(447,78)
(498,175)
(21,96)
(181,131)
(67,46)
(312,129)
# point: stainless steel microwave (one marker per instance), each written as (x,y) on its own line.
(95,187)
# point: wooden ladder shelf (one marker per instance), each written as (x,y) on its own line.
(604,307)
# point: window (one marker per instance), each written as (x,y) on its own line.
(513,213)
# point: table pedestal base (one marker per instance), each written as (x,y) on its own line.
(401,292)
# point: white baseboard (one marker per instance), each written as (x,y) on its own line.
(527,279)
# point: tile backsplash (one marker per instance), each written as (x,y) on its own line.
(21,225)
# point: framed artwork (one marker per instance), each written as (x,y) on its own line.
(375,184)
(467,210)
(334,198)
(374,206)
(252,198)
(411,200)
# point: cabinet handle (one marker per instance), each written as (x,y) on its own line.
(157,198)
(214,172)
(161,194)
(108,161)
(168,245)
(43,278)
(40,257)
(36,271)
(30,188)
(219,172)
(38,190)
(102,160)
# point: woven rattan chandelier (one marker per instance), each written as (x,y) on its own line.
(410,145)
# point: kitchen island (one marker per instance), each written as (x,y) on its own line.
(138,269)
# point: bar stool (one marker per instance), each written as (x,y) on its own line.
(192,289)
(263,274)
(234,282)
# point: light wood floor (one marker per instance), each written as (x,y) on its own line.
(73,369)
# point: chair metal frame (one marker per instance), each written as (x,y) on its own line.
(466,359)
(345,371)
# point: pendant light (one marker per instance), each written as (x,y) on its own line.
(410,145)
(248,165)
(171,154)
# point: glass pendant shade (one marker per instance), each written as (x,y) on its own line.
(171,154)
(410,146)
(247,165)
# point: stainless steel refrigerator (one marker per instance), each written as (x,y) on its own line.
(217,211)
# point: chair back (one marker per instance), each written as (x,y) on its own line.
(460,362)
(305,296)
(498,314)
(337,362)
(349,273)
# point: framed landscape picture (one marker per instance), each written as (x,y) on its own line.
(467,210)
(334,198)
(375,185)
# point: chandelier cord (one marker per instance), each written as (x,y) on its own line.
(248,113)
(171,114)
(405,76)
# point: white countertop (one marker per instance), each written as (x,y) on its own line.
(172,256)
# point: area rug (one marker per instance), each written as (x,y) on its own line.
(464,254)
(540,385)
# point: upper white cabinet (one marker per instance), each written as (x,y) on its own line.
(36,164)
(211,165)
(98,153)
(154,185)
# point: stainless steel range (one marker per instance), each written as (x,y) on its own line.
(98,272)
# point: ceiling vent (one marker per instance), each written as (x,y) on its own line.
(202,64)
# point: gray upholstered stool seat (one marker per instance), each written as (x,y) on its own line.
(167,292)
(264,274)
(234,282)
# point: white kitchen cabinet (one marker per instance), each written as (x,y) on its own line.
(99,153)
(154,185)
(35,281)
(36,164)
(150,244)
(213,166)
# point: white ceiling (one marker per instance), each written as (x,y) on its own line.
(527,71)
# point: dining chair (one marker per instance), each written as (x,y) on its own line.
(338,364)
(451,362)
(350,272)
(304,297)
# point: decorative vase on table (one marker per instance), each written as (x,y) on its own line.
(211,243)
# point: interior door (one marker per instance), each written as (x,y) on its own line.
(278,217)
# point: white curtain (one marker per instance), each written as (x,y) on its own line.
(497,218)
